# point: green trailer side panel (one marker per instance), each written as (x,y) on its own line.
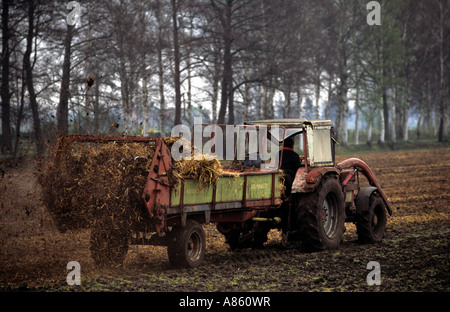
(259,186)
(191,194)
(230,189)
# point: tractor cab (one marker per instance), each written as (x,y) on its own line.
(314,136)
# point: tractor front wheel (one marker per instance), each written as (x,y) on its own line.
(371,223)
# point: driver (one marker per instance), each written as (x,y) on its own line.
(290,162)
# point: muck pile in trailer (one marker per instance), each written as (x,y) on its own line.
(131,190)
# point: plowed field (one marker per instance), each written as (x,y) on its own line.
(414,256)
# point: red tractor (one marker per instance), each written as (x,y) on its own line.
(324,195)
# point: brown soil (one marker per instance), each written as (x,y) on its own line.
(414,256)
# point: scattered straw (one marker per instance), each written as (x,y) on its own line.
(206,170)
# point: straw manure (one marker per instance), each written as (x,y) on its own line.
(203,168)
(103,183)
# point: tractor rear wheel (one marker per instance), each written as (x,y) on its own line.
(187,245)
(321,216)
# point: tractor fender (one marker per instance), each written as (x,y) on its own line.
(306,181)
(362,199)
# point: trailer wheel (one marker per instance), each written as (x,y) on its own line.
(321,216)
(371,223)
(108,246)
(187,245)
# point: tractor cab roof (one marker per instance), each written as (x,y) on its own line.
(292,122)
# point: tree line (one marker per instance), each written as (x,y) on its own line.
(147,65)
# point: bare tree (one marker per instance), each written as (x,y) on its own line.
(6,142)
(176,55)
(160,46)
(29,78)
(63,106)
(442,37)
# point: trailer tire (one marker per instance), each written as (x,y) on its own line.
(187,245)
(321,216)
(108,246)
(371,222)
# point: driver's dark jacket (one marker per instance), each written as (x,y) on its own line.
(290,161)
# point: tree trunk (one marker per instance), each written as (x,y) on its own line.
(215,84)
(357,116)
(88,93)
(330,92)
(230,102)
(287,102)
(29,80)
(268,110)
(162,101)
(317,96)
(405,121)
(176,52)
(145,106)
(259,102)
(345,124)
(385,109)
(406,96)
(247,99)
(341,125)
(227,74)
(382,128)
(420,116)
(394,117)
(63,106)
(124,91)
(429,108)
(299,102)
(97,107)
(442,86)
(369,132)
(6,142)
(19,120)
(143,70)
(223,98)
(190,118)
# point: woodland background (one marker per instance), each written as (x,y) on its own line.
(148,65)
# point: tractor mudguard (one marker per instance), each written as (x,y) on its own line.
(362,199)
(365,169)
(306,181)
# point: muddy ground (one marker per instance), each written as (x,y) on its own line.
(414,256)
